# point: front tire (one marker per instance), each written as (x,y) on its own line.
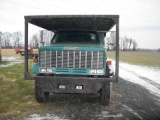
(40,95)
(105,93)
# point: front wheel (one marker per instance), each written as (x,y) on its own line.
(105,93)
(40,95)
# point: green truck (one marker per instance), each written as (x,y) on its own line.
(75,61)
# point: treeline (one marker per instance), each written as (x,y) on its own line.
(148,50)
(127,43)
(10,40)
(15,39)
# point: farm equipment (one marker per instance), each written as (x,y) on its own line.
(0,48)
(0,55)
(76,60)
(31,52)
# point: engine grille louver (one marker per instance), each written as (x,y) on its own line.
(72,59)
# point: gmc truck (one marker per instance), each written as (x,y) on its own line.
(75,61)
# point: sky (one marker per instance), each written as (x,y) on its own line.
(139,19)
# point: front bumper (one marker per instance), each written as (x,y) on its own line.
(89,84)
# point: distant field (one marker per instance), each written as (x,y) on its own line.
(139,58)
(8,52)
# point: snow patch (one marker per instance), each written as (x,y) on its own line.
(143,71)
(46,117)
(12,60)
(132,111)
(148,77)
(106,114)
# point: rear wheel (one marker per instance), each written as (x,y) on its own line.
(40,95)
(105,93)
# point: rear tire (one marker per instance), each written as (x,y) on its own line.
(105,93)
(40,95)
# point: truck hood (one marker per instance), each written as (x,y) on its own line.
(85,47)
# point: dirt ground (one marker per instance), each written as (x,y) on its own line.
(129,102)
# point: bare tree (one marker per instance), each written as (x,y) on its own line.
(35,41)
(124,43)
(6,39)
(135,45)
(130,43)
(17,36)
(127,43)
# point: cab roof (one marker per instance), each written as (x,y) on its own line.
(72,22)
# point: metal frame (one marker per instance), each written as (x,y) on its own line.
(40,20)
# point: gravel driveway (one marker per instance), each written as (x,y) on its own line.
(135,97)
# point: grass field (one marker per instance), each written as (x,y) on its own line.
(17,95)
(8,52)
(151,59)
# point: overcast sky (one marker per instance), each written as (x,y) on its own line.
(139,19)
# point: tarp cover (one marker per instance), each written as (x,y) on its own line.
(63,22)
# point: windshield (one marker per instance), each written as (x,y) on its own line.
(84,37)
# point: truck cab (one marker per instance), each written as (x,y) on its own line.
(75,61)
(72,52)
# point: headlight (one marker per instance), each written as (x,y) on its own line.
(43,70)
(100,71)
(49,70)
(96,72)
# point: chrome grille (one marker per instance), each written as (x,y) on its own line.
(72,59)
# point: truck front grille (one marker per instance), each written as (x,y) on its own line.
(72,59)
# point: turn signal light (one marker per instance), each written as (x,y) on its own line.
(35,60)
(109,62)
